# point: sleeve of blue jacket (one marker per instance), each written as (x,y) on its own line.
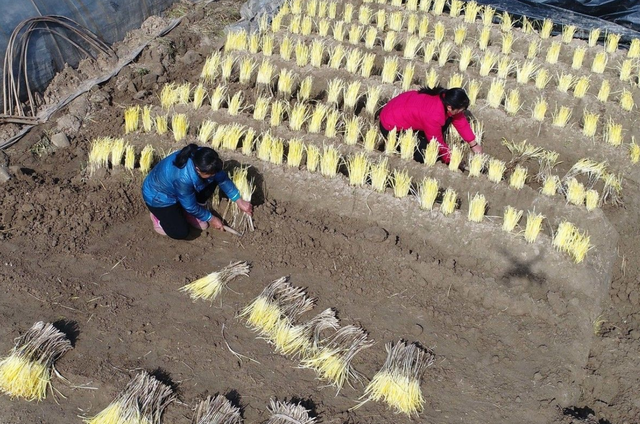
(227,186)
(187,198)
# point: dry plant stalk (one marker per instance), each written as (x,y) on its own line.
(217,410)
(288,413)
(210,286)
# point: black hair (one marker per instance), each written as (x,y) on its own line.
(204,158)
(455,97)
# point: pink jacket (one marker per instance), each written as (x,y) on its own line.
(424,112)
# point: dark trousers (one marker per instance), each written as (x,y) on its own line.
(172,218)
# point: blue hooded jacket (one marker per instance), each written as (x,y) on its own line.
(167,185)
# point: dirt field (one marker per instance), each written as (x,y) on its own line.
(521,333)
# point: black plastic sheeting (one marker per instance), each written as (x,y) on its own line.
(620,17)
(47,54)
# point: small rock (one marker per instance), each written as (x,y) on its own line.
(69,124)
(60,140)
(190,57)
(149,80)
(140,94)
(375,234)
(4,174)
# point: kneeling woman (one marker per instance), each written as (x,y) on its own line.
(429,111)
(178,186)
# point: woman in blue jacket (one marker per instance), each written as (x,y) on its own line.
(178,186)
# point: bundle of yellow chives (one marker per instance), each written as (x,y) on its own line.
(129,157)
(518,177)
(511,218)
(179,126)
(477,207)
(580,246)
(575,192)
(431,153)
(147,121)
(496,170)
(117,151)
(398,381)
(401,183)
(476,164)
(161,124)
(332,360)
(274,312)
(550,185)
(634,151)
(295,152)
(358,169)
(210,286)
(533,227)
(449,201)
(146,159)
(427,193)
(131,117)
(141,402)
(380,175)
(248,142)
(391,142)
(408,142)
(99,153)
(456,158)
(276,153)
(329,161)
(168,96)
(26,372)
(564,236)
(371,137)
(313,158)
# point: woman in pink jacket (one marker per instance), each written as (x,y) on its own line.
(428,112)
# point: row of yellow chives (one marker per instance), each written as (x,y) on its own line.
(413,45)
(107,150)
(496,168)
(613,132)
(495,96)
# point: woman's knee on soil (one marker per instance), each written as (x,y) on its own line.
(178,233)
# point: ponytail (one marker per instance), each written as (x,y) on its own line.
(435,91)
(184,155)
(204,158)
(455,97)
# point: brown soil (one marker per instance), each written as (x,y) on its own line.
(520,332)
